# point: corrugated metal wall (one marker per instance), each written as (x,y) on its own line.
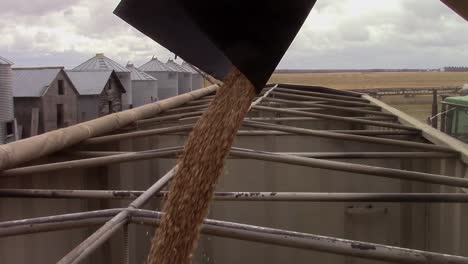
(6,99)
(167,87)
(144,92)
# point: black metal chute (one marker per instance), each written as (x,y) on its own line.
(459,6)
(217,35)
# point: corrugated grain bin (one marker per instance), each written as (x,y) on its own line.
(197,78)
(145,87)
(167,77)
(6,100)
(103,63)
(185,77)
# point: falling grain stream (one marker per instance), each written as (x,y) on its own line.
(199,168)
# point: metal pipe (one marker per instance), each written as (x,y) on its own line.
(321,89)
(358,138)
(199,102)
(337,118)
(49,227)
(285,119)
(21,151)
(309,242)
(435,109)
(325,106)
(280,237)
(263,96)
(326,95)
(373,155)
(316,155)
(328,100)
(99,158)
(137,134)
(59,218)
(55,223)
(186,108)
(93,162)
(353,132)
(245,196)
(85,248)
(84,154)
(168,117)
(353,168)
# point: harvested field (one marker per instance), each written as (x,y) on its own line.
(418,107)
(355,80)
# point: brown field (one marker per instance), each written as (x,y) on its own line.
(374,80)
(419,106)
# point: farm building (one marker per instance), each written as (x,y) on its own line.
(145,87)
(184,76)
(7,124)
(197,79)
(103,63)
(168,81)
(45,99)
(100,93)
(316,174)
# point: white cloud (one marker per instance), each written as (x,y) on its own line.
(337,34)
(379,34)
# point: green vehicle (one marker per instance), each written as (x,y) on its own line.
(455,117)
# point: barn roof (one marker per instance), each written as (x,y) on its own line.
(155,65)
(33,82)
(4,61)
(139,75)
(100,63)
(90,82)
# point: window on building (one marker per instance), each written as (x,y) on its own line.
(61,90)
(172,75)
(60,116)
(186,75)
(109,86)
(111,110)
(10,130)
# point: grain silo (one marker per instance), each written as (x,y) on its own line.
(103,63)
(145,86)
(167,77)
(185,77)
(6,101)
(197,79)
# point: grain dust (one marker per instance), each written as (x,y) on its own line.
(199,168)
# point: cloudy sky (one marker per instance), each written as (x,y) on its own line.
(337,34)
